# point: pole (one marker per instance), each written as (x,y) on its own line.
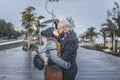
(52,13)
(52,18)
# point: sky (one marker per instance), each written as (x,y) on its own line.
(85,13)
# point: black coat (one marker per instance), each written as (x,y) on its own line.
(69,48)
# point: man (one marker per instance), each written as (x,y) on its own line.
(69,46)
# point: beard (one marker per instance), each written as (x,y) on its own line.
(62,35)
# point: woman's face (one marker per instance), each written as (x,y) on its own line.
(56,33)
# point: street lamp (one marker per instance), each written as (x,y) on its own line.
(53,0)
(52,13)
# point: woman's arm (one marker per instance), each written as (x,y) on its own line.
(53,55)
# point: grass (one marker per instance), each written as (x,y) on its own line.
(10,46)
(97,47)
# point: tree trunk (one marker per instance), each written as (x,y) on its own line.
(116,45)
(112,39)
(29,42)
(104,41)
(39,40)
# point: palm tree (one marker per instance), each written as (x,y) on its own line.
(111,27)
(91,33)
(104,34)
(113,24)
(31,23)
(116,19)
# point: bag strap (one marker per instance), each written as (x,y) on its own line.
(51,49)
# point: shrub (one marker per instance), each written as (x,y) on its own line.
(105,47)
(87,47)
(111,48)
(97,47)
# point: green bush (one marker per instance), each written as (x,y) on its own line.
(10,46)
(87,47)
(105,47)
(97,47)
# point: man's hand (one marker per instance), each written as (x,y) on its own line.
(46,61)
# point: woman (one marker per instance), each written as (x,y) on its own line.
(51,51)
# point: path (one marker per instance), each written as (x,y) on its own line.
(92,65)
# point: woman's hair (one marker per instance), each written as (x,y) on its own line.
(48,32)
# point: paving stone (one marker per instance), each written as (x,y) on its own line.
(16,64)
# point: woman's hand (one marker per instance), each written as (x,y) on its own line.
(46,61)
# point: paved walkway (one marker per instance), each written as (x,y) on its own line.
(93,65)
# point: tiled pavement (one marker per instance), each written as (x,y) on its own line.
(16,64)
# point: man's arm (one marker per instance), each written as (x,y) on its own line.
(69,50)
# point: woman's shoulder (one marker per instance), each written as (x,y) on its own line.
(51,43)
(49,39)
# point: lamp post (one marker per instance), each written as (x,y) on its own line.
(51,13)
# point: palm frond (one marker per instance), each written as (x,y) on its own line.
(41,17)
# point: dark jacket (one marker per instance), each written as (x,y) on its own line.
(69,48)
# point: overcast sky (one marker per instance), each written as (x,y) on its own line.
(86,13)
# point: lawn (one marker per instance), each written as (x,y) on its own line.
(12,45)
